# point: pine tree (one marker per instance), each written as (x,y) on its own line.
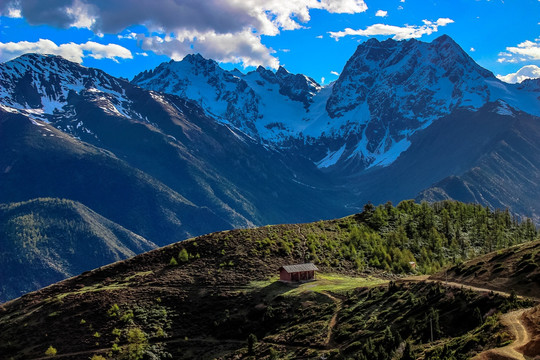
(251,340)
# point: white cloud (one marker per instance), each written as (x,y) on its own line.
(400,33)
(81,14)
(527,48)
(507,60)
(472,49)
(128,35)
(238,23)
(245,48)
(102,51)
(322,80)
(70,51)
(319,36)
(14,13)
(526,72)
(381,13)
(334,73)
(525,51)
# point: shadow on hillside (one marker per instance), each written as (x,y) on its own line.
(277,288)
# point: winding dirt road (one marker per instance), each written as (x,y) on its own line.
(514,321)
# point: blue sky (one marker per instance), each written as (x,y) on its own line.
(313,37)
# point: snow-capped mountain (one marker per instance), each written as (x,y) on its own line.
(168,145)
(254,102)
(200,116)
(386,92)
(47,87)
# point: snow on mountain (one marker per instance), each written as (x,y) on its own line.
(502,108)
(406,86)
(44,87)
(221,93)
(256,103)
(386,92)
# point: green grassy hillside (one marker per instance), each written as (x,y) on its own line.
(216,296)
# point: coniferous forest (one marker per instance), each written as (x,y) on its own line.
(390,238)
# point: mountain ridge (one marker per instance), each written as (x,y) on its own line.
(402,87)
(47,240)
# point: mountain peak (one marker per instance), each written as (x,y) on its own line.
(194,57)
(38,56)
(199,60)
(530,85)
(445,41)
(44,82)
(371,41)
(405,85)
(281,71)
(33,59)
(444,38)
(261,69)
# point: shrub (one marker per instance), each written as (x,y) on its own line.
(183,256)
(173,262)
(114,310)
(160,333)
(115,348)
(127,317)
(274,354)
(137,344)
(51,351)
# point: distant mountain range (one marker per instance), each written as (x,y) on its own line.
(190,148)
(386,92)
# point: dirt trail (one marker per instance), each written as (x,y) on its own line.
(514,322)
(459,285)
(333,320)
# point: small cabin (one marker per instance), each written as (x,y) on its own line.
(412,264)
(297,273)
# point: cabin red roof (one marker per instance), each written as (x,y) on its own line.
(299,268)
